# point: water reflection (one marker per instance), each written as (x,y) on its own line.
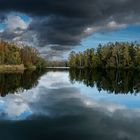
(13,82)
(57,109)
(112,81)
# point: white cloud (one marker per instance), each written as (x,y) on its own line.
(111,25)
(14,22)
(1,30)
(101,104)
(114,25)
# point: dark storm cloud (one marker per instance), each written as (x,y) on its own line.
(8,35)
(66,22)
(58,30)
(2,16)
(71,8)
(60,47)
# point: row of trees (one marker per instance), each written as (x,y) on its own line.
(56,63)
(13,54)
(111,55)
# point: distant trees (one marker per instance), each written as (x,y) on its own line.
(112,55)
(56,63)
(12,54)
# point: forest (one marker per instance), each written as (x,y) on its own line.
(112,55)
(15,54)
(56,63)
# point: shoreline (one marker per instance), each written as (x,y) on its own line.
(15,68)
(57,67)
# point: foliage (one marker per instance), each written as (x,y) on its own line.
(112,55)
(57,63)
(14,54)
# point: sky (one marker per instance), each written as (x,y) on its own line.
(57,27)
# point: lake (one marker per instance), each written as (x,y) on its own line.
(70,105)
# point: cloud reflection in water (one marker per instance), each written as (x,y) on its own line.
(57,109)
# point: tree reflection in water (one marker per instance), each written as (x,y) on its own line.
(112,81)
(13,82)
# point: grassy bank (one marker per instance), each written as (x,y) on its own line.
(12,68)
(16,68)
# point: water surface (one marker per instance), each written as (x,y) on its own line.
(70,105)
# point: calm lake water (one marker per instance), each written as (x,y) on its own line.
(70,105)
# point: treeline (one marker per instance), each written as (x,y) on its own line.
(110,80)
(112,55)
(56,63)
(14,54)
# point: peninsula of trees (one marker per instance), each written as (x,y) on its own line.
(18,57)
(112,55)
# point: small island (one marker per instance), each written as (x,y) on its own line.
(15,57)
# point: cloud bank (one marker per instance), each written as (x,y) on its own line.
(64,23)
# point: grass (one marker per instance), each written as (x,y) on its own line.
(12,68)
